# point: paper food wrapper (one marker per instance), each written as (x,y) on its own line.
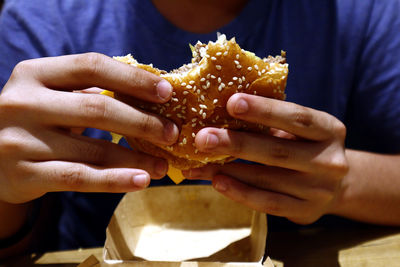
(179,225)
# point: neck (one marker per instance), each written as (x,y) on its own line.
(199,16)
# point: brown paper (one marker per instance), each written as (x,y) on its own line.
(183,226)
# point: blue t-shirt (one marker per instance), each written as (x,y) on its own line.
(344,58)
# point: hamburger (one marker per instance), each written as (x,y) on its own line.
(201,90)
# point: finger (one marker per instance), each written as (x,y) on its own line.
(105,113)
(262,200)
(288,182)
(51,176)
(298,120)
(82,71)
(264,149)
(66,146)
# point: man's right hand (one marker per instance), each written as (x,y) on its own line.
(41,104)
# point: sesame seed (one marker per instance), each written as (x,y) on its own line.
(256,67)
(194,88)
(195,151)
(255,92)
(201,112)
(183,84)
(225,53)
(223,85)
(218,53)
(194,125)
(243,78)
(194,119)
(239,66)
(220,88)
(259,73)
(217,117)
(175,99)
(236,62)
(194,110)
(215,101)
(203,106)
(249,68)
(184,141)
(193,135)
(263,71)
(204,116)
(247,85)
(240,86)
(198,91)
(174,93)
(213,58)
(180,116)
(218,67)
(208,76)
(230,83)
(202,98)
(235,78)
(240,80)
(189,86)
(204,87)
(185,92)
(191,82)
(202,79)
(213,77)
(237,56)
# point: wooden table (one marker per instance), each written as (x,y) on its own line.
(349,246)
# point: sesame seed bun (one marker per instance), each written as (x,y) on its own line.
(201,90)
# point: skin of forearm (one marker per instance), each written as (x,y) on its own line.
(370,192)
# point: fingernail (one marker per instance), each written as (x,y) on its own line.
(164,89)
(170,132)
(241,106)
(221,186)
(191,173)
(161,167)
(141,180)
(211,141)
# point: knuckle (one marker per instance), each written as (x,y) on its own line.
(272,206)
(238,145)
(280,152)
(11,103)
(73,177)
(339,129)
(94,107)
(146,125)
(302,116)
(267,112)
(24,68)
(89,64)
(338,164)
(9,143)
(109,183)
